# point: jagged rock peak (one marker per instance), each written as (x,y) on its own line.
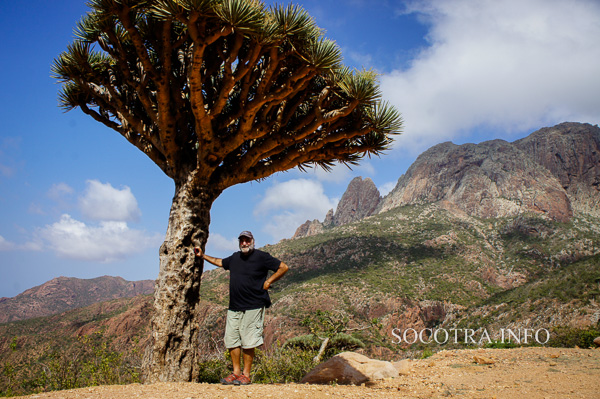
(491,179)
(359,201)
(309,228)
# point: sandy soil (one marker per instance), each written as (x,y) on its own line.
(482,373)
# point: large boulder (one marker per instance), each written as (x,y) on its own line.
(350,368)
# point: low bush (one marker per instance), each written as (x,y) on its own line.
(279,365)
(90,362)
(568,337)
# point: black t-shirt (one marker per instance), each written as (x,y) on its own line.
(247,274)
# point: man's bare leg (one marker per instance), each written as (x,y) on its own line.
(235,354)
(248,358)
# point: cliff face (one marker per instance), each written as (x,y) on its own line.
(359,201)
(309,228)
(552,172)
(571,152)
(489,180)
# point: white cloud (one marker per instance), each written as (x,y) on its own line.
(106,242)
(218,243)
(289,204)
(385,188)
(511,65)
(6,245)
(104,202)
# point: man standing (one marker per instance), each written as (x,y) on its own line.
(248,298)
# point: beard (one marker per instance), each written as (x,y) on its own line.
(247,249)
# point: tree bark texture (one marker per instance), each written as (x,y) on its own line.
(172,354)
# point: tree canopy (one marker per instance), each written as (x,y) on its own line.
(223,91)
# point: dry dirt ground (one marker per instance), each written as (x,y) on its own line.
(480,373)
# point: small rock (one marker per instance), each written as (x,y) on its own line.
(597,341)
(403,366)
(483,360)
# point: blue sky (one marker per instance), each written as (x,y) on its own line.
(77,200)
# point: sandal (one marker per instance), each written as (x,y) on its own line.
(231,379)
(242,380)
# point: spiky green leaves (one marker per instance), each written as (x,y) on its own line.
(260,90)
(76,66)
(383,121)
(79,63)
(323,54)
(243,15)
(361,86)
(71,96)
(384,118)
(292,23)
(167,9)
(247,16)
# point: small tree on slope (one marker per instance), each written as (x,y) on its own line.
(216,93)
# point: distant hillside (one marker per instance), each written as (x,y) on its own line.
(64,293)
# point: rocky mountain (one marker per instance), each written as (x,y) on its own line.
(64,293)
(489,180)
(498,231)
(551,172)
(360,200)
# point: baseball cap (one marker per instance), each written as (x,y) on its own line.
(246,234)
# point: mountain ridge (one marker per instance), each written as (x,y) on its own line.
(552,172)
(64,293)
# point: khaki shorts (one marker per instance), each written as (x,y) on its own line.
(244,328)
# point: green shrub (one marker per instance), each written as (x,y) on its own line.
(502,345)
(568,337)
(283,365)
(90,362)
(213,370)
(279,365)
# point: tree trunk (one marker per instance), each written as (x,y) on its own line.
(172,354)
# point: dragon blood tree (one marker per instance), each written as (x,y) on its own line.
(216,93)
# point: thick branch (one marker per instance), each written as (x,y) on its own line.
(204,129)
(166,119)
(229,80)
(138,43)
(278,142)
(247,129)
